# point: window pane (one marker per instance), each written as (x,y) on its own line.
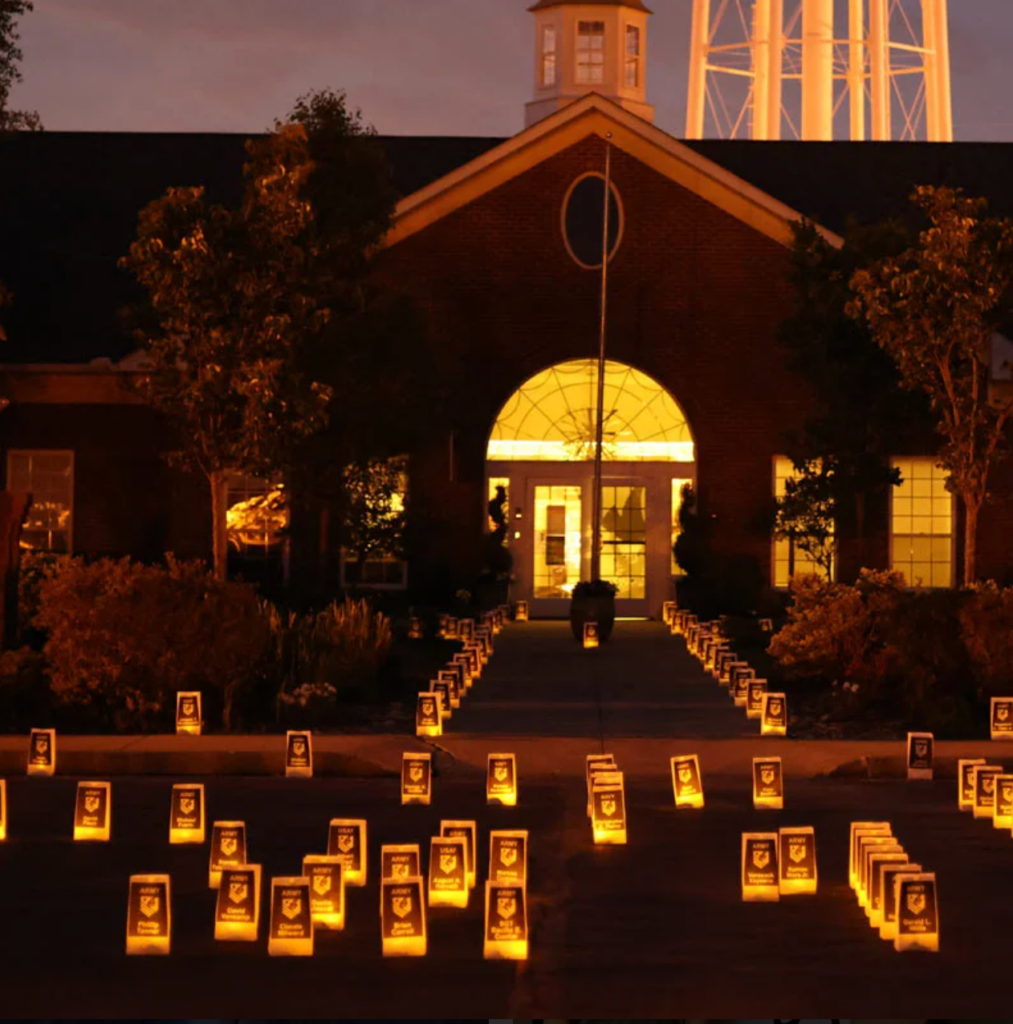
(922,524)
(49,478)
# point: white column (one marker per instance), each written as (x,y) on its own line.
(776,53)
(879,69)
(699,39)
(818,70)
(944,96)
(856,69)
(760,49)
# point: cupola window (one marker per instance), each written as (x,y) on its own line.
(631,75)
(590,52)
(549,55)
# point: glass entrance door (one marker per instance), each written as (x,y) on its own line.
(558,544)
(624,545)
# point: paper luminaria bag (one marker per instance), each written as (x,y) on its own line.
(687,783)
(186,813)
(869,846)
(427,714)
(189,714)
(93,811)
(290,932)
(983,778)
(592,763)
(796,857)
(1002,807)
(237,910)
(501,779)
(468,831)
(452,680)
(442,689)
(591,638)
(42,752)
(858,829)
(965,782)
(774,717)
(521,611)
(400,861)
(917,913)
(448,871)
(403,917)
(327,891)
(741,673)
(878,861)
(508,857)
(755,689)
(506,921)
(891,872)
(1001,718)
(919,755)
(3,809)
(149,915)
(608,811)
(346,838)
(228,849)
(759,867)
(298,754)
(768,783)
(416,778)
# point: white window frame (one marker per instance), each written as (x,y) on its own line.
(774,540)
(550,57)
(578,52)
(894,459)
(631,60)
(402,584)
(232,480)
(73,480)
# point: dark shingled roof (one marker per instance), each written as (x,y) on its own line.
(69,203)
(637,5)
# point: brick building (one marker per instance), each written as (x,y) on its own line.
(498,241)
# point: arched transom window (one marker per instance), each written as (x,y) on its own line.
(551,418)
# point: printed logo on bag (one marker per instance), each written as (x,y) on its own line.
(291,919)
(146,916)
(918,910)
(506,919)
(91,808)
(449,861)
(761,857)
(402,910)
(239,890)
(322,884)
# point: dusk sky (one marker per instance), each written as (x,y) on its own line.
(414,67)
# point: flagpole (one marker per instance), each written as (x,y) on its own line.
(600,415)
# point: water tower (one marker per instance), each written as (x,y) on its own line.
(820,69)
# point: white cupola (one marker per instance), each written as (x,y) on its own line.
(590,46)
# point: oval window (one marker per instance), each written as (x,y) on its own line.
(583,211)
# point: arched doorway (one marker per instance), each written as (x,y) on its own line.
(541,450)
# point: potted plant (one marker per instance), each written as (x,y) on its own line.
(593,601)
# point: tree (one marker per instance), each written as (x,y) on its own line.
(806,513)
(935,309)
(233,320)
(10,75)
(250,303)
(842,452)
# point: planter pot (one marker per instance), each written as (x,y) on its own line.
(593,609)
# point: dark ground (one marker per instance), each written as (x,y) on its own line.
(656,928)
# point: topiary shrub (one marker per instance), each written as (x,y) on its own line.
(986,628)
(123,637)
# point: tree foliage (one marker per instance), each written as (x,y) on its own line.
(240,357)
(10,74)
(841,454)
(935,309)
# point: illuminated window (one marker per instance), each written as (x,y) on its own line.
(551,418)
(678,483)
(921,524)
(583,220)
(549,55)
(377,497)
(256,516)
(557,540)
(590,52)
(631,73)
(624,540)
(49,477)
(789,558)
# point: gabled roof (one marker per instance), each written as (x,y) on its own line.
(594,114)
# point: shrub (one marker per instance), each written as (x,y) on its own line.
(986,627)
(124,637)
(836,631)
(346,645)
(24,690)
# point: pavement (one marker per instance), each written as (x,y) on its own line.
(653,929)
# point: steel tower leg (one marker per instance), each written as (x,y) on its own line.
(879,69)
(699,40)
(856,69)
(818,70)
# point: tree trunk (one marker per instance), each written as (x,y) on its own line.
(860,528)
(971,510)
(219,526)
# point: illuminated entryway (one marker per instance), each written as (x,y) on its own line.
(542,451)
